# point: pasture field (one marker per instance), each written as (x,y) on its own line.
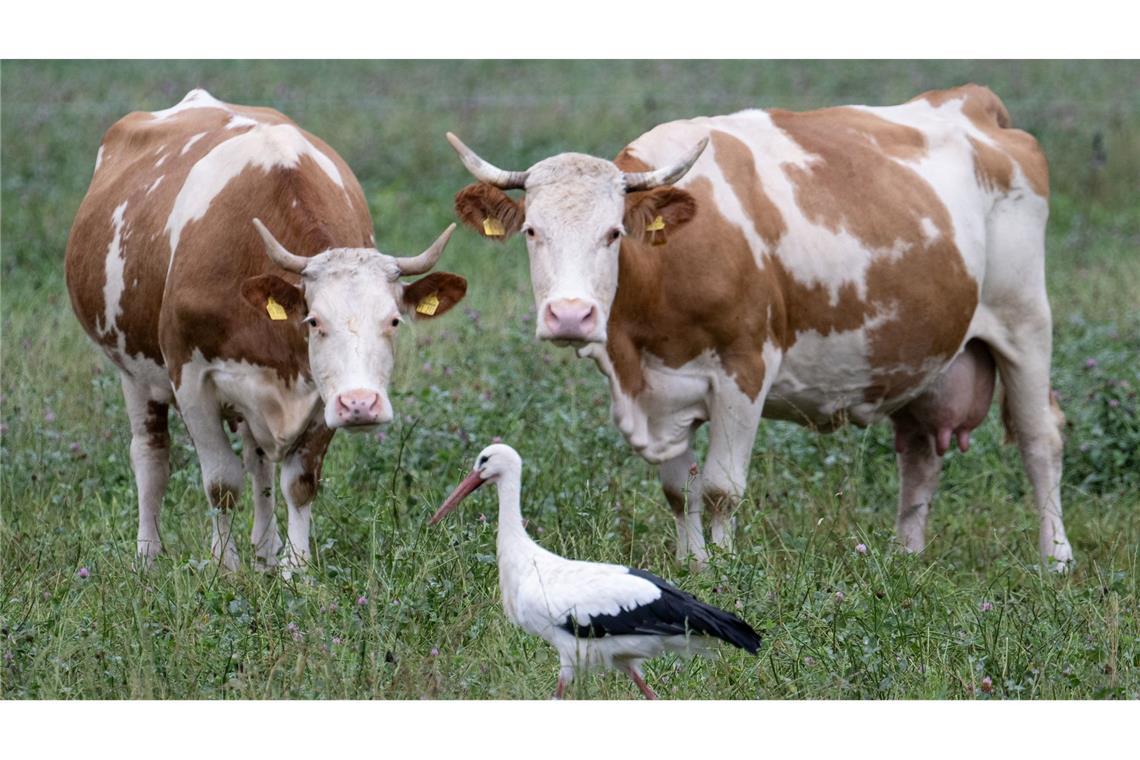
(392,609)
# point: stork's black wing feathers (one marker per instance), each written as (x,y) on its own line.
(674,613)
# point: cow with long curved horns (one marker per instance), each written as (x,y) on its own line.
(224,260)
(841,265)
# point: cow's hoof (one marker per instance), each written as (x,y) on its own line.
(293,568)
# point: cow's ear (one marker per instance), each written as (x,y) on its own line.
(656,214)
(274,298)
(489,211)
(433,295)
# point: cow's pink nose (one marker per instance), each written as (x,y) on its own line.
(570,319)
(361,407)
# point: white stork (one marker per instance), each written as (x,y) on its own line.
(594,614)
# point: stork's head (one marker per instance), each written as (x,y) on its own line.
(575,213)
(493,463)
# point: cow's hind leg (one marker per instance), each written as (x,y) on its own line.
(300,476)
(223,474)
(150,461)
(919,468)
(264,537)
(681,483)
(1034,420)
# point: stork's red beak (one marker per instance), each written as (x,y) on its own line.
(461,492)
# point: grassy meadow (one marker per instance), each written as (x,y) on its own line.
(392,609)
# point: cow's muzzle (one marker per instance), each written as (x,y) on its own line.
(361,407)
(570,320)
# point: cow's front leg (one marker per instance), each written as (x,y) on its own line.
(264,537)
(300,476)
(681,483)
(222,471)
(733,422)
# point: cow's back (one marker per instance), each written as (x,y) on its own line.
(166,224)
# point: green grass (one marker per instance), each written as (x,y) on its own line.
(430,624)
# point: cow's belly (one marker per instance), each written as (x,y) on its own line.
(277,413)
(828,381)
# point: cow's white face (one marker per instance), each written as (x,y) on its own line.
(573,227)
(576,211)
(352,303)
(353,313)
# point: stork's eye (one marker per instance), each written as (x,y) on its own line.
(613,235)
(312,322)
(395,322)
(530,233)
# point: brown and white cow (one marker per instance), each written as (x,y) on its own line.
(840,265)
(175,269)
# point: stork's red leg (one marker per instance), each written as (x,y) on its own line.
(641,684)
(560,689)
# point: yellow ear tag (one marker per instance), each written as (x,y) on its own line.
(656,225)
(276,310)
(428,304)
(492,227)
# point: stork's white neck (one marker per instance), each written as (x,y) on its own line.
(512,537)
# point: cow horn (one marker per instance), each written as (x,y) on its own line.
(281,257)
(668,175)
(425,261)
(485,172)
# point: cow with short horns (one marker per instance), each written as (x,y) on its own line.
(224,260)
(842,265)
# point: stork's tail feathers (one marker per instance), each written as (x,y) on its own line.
(711,621)
(698,618)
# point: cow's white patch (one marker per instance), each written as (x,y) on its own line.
(161,160)
(190,143)
(113,270)
(263,146)
(197,98)
(930,229)
(99,158)
(276,412)
(154,185)
(237,121)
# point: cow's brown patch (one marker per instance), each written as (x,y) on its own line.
(992,167)
(989,114)
(916,284)
(738,166)
(223,495)
(310,449)
(478,202)
(157,424)
(701,291)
